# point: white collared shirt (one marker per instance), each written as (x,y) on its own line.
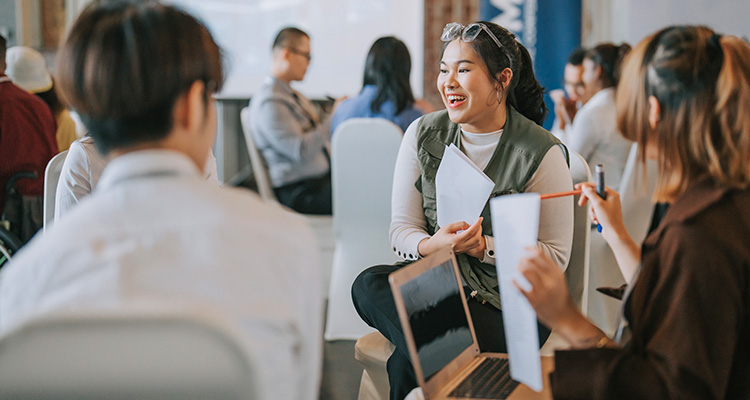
(594,135)
(155,233)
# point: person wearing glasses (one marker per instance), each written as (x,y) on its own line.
(155,236)
(568,101)
(289,131)
(494,111)
(684,98)
(593,133)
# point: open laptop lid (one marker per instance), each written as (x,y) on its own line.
(428,293)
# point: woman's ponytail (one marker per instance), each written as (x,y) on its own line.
(527,95)
(609,58)
(622,51)
(524,93)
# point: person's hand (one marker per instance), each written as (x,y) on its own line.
(558,98)
(470,241)
(571,108)
(554,307)
(607,213)
(462,237)
(560,117)
(565,109)
(549,291)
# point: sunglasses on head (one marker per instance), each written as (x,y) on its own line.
(469,33)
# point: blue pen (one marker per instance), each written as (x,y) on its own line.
(600,188)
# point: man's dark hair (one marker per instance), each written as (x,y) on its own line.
(576,56)
(287,37)
(124,64)
(388,67)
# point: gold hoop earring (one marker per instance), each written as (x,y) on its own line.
(497,96)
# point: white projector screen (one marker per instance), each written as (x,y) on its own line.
(341,32)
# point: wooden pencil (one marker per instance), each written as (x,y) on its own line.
(559,194)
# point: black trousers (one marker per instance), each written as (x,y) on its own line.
(311,196)
(373,300)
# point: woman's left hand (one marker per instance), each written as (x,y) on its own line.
(549,291)
(471,241)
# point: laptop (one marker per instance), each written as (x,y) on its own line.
(446,357)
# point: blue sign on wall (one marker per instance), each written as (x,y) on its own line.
(549,29)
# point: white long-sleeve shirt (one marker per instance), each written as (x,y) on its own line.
(408,223)
(82,169)
(155,233)
(594,135)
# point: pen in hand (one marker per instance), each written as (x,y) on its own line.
(600,188)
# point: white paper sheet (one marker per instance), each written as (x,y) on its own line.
(515,226)
(462,189)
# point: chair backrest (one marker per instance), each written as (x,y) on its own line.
(51,177)
(260,170)
(578,265)
(636,198)
(637,210)
(67,356)
(363,159)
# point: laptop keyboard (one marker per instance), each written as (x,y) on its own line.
(490,380)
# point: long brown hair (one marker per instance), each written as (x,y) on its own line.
(702,83)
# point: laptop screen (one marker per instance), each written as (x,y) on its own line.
(437,317)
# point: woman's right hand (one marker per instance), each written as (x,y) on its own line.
(607,213)
(464,238)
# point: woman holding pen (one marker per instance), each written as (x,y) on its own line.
(684,97)
(494,109)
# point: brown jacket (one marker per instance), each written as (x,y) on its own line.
(689,310)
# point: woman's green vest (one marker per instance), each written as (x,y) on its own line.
(521,148)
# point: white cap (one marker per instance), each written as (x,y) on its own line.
(27,69)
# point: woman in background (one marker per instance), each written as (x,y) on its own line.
(593,133)
(386,92)
(685,99)
(27,69)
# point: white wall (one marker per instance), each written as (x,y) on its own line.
(633,20)
(724,16)
(341,31)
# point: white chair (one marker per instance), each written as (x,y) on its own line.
(51,177)
(86,356)
(577,271)
(578,266)
(322,225)
(363,158)
(260,171)
(637,211)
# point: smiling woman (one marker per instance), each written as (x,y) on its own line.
(494,111)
